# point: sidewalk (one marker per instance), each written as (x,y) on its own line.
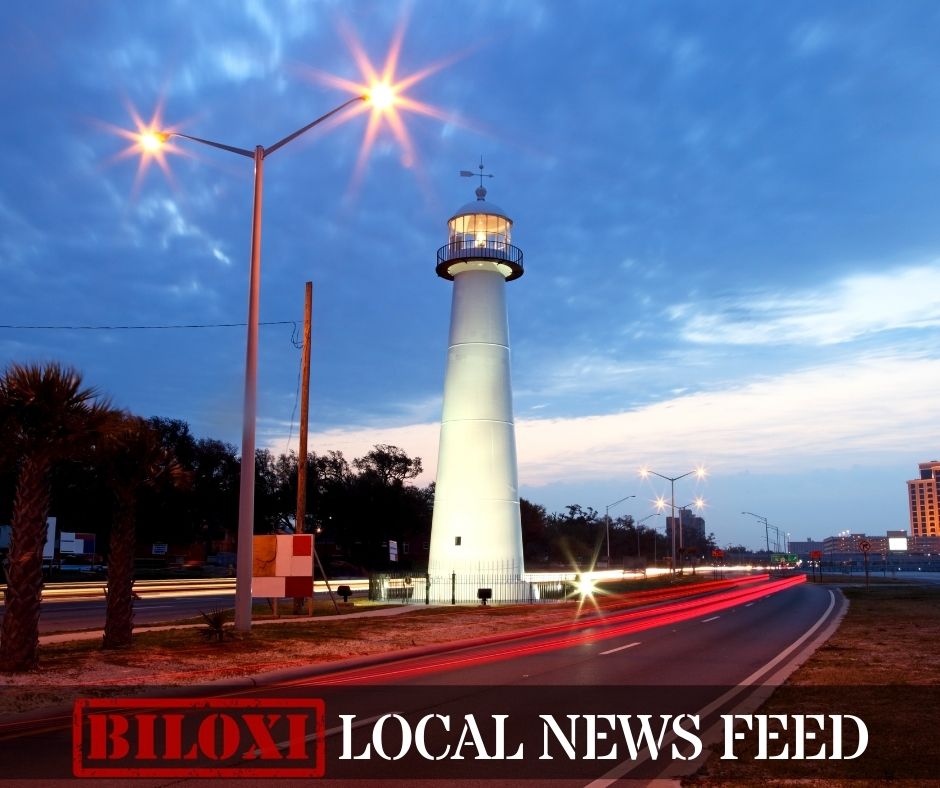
(94,634)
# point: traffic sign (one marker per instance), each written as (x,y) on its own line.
(864,545)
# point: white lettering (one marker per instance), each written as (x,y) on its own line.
(646,733)
(862,734)
(593,736)
(731,736)
(567,744)
(347,720)
(681,733)
(420,742)
(378,743)
(801,736)
(470,726)
(500,754)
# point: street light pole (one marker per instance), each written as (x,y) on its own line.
(700,473)
(638,524)
(763,520)
(607,523)
(246,489)
(246,496)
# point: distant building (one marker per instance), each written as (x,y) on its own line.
(894,552)
(803,549)
(850,543)
(923,496)
(691,531)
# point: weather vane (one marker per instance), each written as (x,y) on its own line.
(481,176)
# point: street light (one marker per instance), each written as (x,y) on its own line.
(767,527)
(638,524)
(607,522)
(699,474)
(151,141)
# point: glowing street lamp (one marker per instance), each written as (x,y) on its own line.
(151,142)
(607,523)
(382,95)
(699,473)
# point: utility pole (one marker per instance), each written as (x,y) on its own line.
(300,519)
(304,416)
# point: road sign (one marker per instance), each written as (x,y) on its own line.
(864,545)
(71,543)
(816,555)
(159,548)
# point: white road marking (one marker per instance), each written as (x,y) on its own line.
(713,618)
(619,648)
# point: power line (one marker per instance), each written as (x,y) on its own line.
(139,328)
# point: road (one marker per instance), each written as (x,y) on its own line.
(71,615)
(699,660)
(684,657)
(68,607)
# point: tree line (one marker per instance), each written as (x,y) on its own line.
(579,537)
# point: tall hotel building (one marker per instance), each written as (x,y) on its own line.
(924,497)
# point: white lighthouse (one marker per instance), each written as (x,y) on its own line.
(476,536)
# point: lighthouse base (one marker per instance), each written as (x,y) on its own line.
(473,586)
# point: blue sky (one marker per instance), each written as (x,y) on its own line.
(728,212)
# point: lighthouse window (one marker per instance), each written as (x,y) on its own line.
(480,230)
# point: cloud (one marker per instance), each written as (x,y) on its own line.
(853,307)
(165,214)
(855,413)
(860,410)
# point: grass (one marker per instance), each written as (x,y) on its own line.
(881,666)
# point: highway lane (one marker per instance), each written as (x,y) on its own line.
(75,606)
(691,653)
(89,613)
(725,644)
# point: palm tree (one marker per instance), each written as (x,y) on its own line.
(46,416)
(135,459)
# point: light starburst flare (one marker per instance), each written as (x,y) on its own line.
(386,99)
(149,142)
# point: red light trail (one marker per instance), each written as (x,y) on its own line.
(633,621)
